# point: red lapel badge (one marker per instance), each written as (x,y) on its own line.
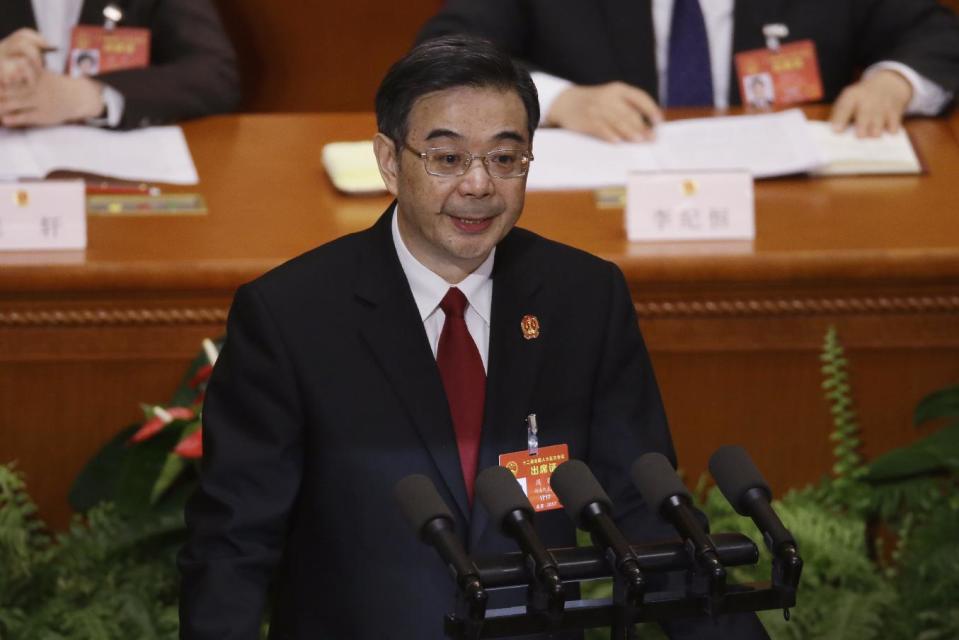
(530,327)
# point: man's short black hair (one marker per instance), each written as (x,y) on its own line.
(445,63)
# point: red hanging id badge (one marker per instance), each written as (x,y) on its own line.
(782,76)
(96,50)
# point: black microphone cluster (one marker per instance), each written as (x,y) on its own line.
(546,572)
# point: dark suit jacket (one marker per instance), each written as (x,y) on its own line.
(192,68)
(327,393)
(599,41)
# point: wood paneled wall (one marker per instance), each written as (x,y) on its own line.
(301,55)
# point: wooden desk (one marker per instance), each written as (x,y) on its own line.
(734,330)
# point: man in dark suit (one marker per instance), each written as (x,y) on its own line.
(600,65)
(192,70)
(352,366)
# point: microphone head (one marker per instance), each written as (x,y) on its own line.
(577,487)
(735,474)
(500,493)
(420,502)
(656,480)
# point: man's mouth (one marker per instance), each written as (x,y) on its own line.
(471,225)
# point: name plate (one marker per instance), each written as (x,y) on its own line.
(43,215)
(690,206)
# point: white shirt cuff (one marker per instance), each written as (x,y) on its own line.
(115,103)
(928,98)
(548,87)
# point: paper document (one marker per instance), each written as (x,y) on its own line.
(155,154)
(765,145)
(845,154)
(569,160)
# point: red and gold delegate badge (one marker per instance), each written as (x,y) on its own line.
(533,473)
(787,75)
(96,50)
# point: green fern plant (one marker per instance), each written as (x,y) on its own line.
(849,590)
(105,578)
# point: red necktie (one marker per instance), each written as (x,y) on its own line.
(464,380)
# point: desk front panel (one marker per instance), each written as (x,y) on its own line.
(734,329)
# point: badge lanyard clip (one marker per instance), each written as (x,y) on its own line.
(773,34)
(112,14)
(532,439)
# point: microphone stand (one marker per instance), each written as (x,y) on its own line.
(623,611)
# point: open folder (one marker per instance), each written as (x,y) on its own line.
(155,154)
(765,145)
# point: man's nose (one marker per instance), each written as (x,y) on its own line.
(477,181)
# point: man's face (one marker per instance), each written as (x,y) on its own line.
(451,224)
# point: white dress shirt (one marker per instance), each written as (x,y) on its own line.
(55,22)
(429,289)
(928,98)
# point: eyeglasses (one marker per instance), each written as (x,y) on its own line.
(449,163)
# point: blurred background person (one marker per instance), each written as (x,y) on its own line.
(191,71)
(604,68)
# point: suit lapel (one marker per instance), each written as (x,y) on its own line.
(16,14)
(92,12)
(390,324)
(630,25)
(514,361)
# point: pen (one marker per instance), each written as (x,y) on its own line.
(121,188)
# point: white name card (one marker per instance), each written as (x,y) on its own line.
(43,215)
(690,206)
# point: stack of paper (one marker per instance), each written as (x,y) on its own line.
(765,145)
(845,154)
(156,154)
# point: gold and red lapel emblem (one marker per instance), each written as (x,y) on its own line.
(530,327)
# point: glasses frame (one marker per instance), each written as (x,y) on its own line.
(525,154)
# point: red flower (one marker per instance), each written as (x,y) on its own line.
(161,418)
(191,447)
(201,375)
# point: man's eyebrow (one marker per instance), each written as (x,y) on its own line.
(443,133)
(510,135)
(502,135)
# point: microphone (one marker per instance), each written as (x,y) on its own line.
(432,523)
(665,494)
(510,509)
(746,490)
(589,507)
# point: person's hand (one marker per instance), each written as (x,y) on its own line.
(613,112)
(873,105)
(17,75)
(26,44)
(54,99)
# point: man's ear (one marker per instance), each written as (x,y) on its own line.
(387,159)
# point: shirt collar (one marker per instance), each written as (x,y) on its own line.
(428,288)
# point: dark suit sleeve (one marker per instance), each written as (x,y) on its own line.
(629,421)
(251,472)
(504,22)
(192,71)
(922,34)
(628,415)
